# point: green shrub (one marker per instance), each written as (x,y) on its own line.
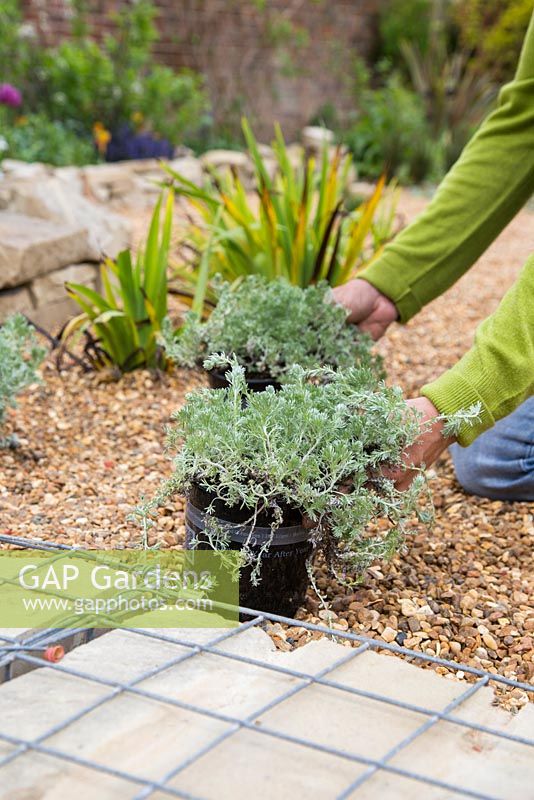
(82,82)
(37,138)
(416,119)
(416,124)
(402,20)
(115,81)
(123,323)
(20,54)
(174,103)
(493,30)
(392,133)
(314,448)
(299,230)
(456,96)
(20,356)
(270,326)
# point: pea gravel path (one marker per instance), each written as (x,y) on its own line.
(91,448)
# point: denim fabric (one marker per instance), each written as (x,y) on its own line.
(500,463)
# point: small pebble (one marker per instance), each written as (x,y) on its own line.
(389,634)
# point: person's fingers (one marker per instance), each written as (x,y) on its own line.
(375,329)
(405,480)
(357,297)
(402,478)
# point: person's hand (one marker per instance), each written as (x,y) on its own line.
(368,308)
(430,444)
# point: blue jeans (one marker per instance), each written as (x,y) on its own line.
(500,463)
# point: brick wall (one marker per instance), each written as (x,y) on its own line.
(272,59)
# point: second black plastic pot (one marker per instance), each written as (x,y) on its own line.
(283,573)
(217,380)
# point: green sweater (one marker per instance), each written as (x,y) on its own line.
(492,180)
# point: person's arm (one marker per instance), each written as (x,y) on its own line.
(498,371)
(491,181)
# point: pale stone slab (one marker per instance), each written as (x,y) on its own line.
(13,300)
(55,199)
(100,178)
(8,634)
(12,167)
(224,158)
(51,288)
(315,137)
(58,780)
(30,247)
(479,762)
(361,190)
(53,315)
(224,161)
(150,738)
(190,168)
(71,177)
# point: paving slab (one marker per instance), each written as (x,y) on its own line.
(156,740)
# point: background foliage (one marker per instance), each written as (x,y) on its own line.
(438,67)
(20,356)
(493,31)
(36,137)
(435,72)
(112,82)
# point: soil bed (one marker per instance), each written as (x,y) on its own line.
(90,448)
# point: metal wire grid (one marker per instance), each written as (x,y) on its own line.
(16,653)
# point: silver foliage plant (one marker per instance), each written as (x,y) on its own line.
(317,446)
(20,356)
(269,326)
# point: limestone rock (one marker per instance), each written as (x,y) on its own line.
(13,300)
(224,158)
(138,166)
(52,316)
(99,179)
(315,138)
(265,150)
(30,247)
(50,288)
(295,154)
(13,168)
(190,168)
(71,177)
(361,190)
(54,199)
(224,161)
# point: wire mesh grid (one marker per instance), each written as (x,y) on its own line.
(15,652)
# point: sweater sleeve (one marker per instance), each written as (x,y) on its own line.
(491,181)
(498,371)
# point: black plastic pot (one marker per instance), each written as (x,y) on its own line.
(217,380)
(283,575)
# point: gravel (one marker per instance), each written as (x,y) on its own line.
(91,448)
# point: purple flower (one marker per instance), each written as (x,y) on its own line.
(126,144)
(10,96)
